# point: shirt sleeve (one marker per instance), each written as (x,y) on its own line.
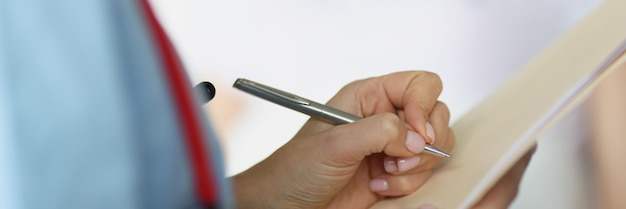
(90,120)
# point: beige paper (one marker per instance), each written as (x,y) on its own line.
(498,131)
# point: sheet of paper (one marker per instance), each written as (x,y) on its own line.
(498,131)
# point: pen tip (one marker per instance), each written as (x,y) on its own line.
(436,151)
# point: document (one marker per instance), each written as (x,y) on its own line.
(499,130)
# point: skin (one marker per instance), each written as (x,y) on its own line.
(355,165)
(608,116)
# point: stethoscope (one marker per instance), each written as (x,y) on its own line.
(206,91)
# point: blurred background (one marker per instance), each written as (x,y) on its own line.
(313,48)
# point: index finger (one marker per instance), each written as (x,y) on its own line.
(416,93)
(412,92)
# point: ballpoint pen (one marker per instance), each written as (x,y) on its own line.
(311,108)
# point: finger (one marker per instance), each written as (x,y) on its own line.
(439,122)
(418,163)
(398,185)
(383,132)
(440,117)
(401,165)
(505,190)
(415,92)
(445,138)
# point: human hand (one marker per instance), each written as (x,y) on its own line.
(354,165)
(502,194)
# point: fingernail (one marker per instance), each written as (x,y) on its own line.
(390,164)
(405,164)
(379,185)
(430,131)
(414,142)
(429,206)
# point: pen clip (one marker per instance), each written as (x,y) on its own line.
(274,92)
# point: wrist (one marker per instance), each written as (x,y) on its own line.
(250,192)
(267,186)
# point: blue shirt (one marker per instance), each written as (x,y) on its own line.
(86,118)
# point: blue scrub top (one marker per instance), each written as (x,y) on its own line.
(86,118)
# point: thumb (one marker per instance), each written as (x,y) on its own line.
(384,132)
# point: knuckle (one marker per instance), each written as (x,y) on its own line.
(350,88)
(357,84)
(388,125)
(352,84)
(406,186)
(445,111)
(433,79)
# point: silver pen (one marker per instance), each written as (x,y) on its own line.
(311,108)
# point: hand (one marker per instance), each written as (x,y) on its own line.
(502,194)
(355,165)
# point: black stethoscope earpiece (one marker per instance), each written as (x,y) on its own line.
(206,91)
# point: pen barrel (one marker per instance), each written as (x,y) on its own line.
(336,116)
(311,108)
(297,103)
